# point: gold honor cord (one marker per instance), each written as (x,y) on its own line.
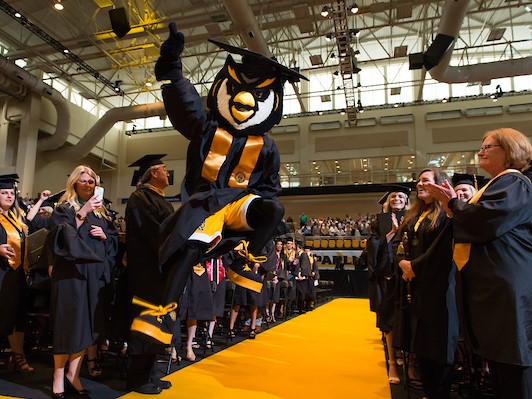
(221,143)
(462,250)
(248,160)
(158,311)
(249,256)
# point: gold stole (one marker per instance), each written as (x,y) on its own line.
(220,146)
(155,189)
(16,236)
(462,250)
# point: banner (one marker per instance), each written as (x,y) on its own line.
(330,259)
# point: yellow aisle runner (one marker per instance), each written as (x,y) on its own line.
(334,351)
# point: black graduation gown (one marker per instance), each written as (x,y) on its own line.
(145,211)
(497,280)
(196,302)
(429,325)
(200,196)
(13,294)
(80,279)
(381,276)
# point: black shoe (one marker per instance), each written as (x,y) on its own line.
(60,395)
(163,384)
(78,392)
(241,274)
(148,389)
(154,329)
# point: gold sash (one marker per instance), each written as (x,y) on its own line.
(462,250)
(16,237)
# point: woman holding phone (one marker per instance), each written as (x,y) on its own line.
(83,242)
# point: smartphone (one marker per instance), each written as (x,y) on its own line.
(98,192)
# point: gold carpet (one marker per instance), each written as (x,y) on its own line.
(334,351)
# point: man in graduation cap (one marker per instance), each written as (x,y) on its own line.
(145,211)
(232,179)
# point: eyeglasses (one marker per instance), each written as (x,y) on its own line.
(86,182)
(487,147)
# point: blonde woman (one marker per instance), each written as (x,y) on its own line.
(84,245)
(13,230)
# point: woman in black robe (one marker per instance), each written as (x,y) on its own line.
(427,320)
(84,243)
(381,271)
(493,235)
(13,290)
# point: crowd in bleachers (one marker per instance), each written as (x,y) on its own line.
(333,227)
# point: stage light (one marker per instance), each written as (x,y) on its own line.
(325,11)
(59,6)
(354,8)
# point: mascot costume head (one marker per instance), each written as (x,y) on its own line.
(247,97)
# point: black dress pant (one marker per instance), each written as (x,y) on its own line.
(436,378)
(142,362)
(511,381)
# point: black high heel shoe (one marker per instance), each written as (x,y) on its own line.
(78,392)
(60,395)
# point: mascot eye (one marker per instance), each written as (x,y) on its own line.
(261,95)
(231,87)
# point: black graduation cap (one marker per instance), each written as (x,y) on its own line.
(144,164)
(394,188)
(8,181)
(53,199)
(249,56)
(464,178)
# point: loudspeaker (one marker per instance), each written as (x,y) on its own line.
(436,50)
(415,61)
(119,21)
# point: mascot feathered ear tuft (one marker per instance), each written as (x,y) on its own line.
(247,97)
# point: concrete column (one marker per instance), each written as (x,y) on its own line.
(4,126)
(27,144)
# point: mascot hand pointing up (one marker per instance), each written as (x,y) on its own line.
(231,184)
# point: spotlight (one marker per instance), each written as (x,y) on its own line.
(117,85)
(356,53)
(342,112)
(360,108)
(333,55)
(336,73)
(354,8)
(354,33)
(59,6)
(329,36)
(325,11)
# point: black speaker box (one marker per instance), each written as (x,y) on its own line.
(119,21)
(415,61)
(436,50)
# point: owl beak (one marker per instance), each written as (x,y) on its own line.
(243,106)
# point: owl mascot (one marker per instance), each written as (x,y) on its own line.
(231,184)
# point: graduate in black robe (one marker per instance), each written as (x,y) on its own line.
(13,264)
(426,322)
(493,236)
(146,209)
(381,268)
(83,242)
